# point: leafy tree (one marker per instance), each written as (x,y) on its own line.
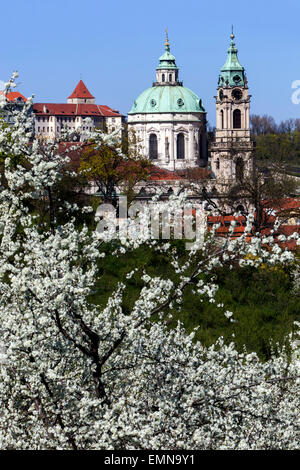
(263,124)
(264,194)
(114,165)
(279,143)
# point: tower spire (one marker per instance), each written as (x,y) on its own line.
(167,44)
(232,36)
(232,73)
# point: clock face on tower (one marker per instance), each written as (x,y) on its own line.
(237,94)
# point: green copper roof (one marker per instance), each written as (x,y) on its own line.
(167,60)
(167,99)
(232,73)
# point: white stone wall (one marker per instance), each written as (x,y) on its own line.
(50,126)
(167,127)
(231,144)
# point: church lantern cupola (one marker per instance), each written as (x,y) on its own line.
(232,73)
(167,71)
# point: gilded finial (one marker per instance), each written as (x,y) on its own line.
(167,44)
(232,34)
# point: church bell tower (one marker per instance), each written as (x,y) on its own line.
(232,151)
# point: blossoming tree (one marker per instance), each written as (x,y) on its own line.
(77,376)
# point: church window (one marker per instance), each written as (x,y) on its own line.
(170,77)
(218,164)
(180,147)
(237,124)
(222,119)
(153,147)
(163,77)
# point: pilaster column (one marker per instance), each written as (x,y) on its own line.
(191,154)
(226,122)
(172,148)
(146,148)
(186,148)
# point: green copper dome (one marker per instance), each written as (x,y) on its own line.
(167,95)
(232,73)
(167,99)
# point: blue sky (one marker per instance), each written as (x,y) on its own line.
(114,47)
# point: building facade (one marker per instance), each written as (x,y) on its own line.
(169,120)
(231,154)
(52,118)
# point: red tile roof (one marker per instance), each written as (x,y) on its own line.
(81,91)
(195,174)
(239,229)
(13,95)
(70,109)
(159,174)
(288,203)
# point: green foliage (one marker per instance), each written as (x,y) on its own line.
(278,147)
(262,300)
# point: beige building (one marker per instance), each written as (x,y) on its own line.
(52,118)
(232,150)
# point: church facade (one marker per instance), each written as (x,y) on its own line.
(169,120)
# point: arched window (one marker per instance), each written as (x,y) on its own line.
(153,155)
(163,77)
(170,77)
(218,164)
(180,147)
(237,119)
(222,119)
(239,169)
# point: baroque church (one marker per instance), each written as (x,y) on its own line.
(170,122)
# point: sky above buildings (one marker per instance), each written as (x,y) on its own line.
(114,46)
